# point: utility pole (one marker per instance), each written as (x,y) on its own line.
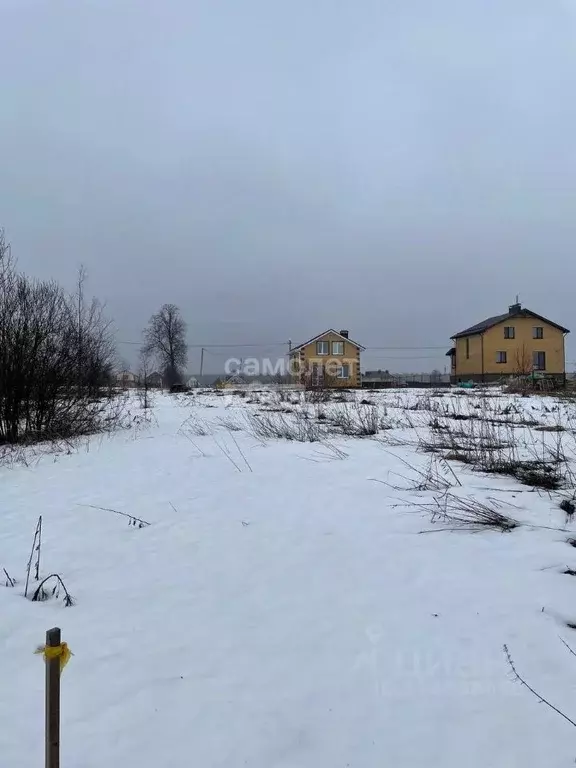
(201,362)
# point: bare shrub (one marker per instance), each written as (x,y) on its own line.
(56,583)
(56,360)
(491,446)
(229,423)
(42,591)
(437,476)
(196,426)
(318,395)
(356,420)
(330,452)
(298,426)
(468,513)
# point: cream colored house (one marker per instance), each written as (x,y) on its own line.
(329,360)
(516,343)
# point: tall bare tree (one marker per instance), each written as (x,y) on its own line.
(165,339)
(144,371)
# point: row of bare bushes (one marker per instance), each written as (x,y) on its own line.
(56,359)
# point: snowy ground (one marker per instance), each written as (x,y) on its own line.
(283,609)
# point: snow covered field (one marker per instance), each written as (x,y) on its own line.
(292,604)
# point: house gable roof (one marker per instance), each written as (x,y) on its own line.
(320,335)
(490,322)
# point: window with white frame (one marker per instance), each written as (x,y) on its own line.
(344,372)
(337,347)
(322,348)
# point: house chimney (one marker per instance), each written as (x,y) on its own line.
(344,333)
(515,308)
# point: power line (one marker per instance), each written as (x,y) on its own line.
(407,357)
(283,343)
(407,348)
(218,346)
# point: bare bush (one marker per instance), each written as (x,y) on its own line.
(229,423)
(330,452)
(43,592)
(496,447)
(437,476)
(318,395)
(56,360)
(196,426)
(298,426)
(356,420)
(468,513)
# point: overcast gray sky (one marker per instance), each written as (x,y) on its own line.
(398,168)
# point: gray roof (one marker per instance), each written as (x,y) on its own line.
(330,330)
(490,322)
(483,326)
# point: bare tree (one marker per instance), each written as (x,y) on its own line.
(522,361)
(6,262)
(165,339)
(95,347)
(144,371)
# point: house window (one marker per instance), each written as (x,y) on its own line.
(322,348)
(539,361)
(344,372)
(467,349)
(509,332)
(501,357)
(538,332)
(337,347)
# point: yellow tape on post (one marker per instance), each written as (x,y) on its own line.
(59,651)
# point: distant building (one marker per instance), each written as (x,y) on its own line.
(154,380)
(231,381)
(126,380)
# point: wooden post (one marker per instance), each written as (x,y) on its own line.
(53,639)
